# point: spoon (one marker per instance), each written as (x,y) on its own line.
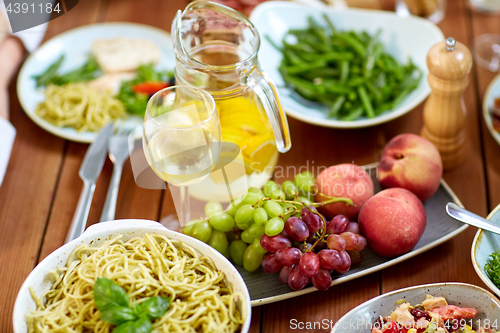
(463,215)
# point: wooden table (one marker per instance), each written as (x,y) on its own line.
(41,188)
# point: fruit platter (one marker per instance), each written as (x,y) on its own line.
(270,234)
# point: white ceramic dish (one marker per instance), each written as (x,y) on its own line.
(403,38)
(76,44)
(99,233)
(492,92)
(484,244)
(360,319)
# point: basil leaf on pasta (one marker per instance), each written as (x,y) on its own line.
(154,307)
(117,315)
(108,294)
(141,325)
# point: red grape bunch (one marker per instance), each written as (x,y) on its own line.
(311,249)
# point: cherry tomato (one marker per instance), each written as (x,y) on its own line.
(149,87)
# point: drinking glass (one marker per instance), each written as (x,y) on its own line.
(486,47)
(486,6)
(486,51)
(181,138)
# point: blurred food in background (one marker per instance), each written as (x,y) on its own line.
(430,9)
(243,6)
(496,114)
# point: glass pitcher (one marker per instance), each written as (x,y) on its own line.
(216,50)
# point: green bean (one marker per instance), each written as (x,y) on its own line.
(352,96)
(334,87)
(329,56)
(330,23)
(355,69)
(293,58)
(317,45)
(384,107)
(374,92)
(51,72)
(357,81)
(320,33)
(273,44)
(305,67)
(305,88)
(344,71)
(365,100)
(354,43)
(411,84)
(335,107)
(354,114)
(326,72)
(301,47)
(393,66)
(371,55)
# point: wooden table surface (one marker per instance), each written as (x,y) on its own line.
(42,187)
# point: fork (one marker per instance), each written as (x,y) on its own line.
(118,154)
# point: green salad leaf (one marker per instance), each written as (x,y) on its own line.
(492,268)
(136,103)
(113,303)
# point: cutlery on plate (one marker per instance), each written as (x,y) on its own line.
(89,172)
(463,215)
(118,154)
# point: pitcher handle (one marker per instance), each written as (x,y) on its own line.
(263,86)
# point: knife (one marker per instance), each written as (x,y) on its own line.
(89,172)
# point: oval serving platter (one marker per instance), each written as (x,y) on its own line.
(266,288)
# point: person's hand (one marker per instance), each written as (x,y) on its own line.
(11,55)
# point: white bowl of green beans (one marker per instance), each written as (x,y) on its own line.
(344,68)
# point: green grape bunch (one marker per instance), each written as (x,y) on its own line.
(237,232)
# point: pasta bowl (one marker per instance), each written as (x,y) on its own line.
(40,279)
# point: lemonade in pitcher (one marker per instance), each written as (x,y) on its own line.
(216,50)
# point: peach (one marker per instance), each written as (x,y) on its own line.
(344,180)
(411,162)
(392,221)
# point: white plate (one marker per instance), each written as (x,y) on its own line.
(75,44)
(492,93)
(403,38)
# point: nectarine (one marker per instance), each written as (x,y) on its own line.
(392,221)
(411,162)
(344,180)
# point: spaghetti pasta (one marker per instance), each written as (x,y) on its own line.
(147,266)
(79,106)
